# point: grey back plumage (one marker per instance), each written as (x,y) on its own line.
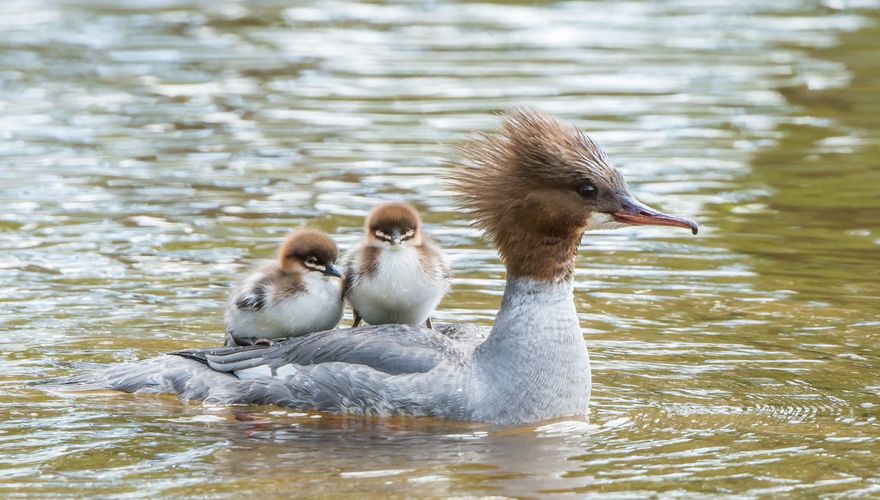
(392,369)
(392,349)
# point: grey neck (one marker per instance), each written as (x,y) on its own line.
(535,359)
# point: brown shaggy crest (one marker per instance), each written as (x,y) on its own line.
(304,243)
(521,187)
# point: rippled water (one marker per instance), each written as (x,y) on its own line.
(151,150)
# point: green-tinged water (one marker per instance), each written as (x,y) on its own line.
(151,150)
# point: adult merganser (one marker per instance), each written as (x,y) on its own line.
(397,274)
(534,188)
(299,293)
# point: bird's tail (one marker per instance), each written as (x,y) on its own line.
(185,375)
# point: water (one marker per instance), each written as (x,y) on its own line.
(152,150)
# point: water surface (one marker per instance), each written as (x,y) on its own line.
(152,150)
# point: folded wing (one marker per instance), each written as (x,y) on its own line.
(391,349)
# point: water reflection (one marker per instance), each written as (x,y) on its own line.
(151,150)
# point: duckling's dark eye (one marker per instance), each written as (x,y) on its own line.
(311,260)
(588,190)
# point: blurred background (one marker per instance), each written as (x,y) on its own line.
(152,150)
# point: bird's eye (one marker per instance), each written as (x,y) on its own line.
(588,190)
(311,260)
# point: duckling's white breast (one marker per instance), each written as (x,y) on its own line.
(400,291)
(319,307)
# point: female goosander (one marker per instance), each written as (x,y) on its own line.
(534,188)
(299,293)
(397,274)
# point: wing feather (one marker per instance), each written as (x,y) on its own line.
(255,296)
(391,349)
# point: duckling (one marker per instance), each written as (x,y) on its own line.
(396,274)
(299,293)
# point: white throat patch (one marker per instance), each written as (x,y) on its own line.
(599,221)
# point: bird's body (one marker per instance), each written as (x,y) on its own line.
(400,286)
(396,288)
(534,188)
(272,304)
(535,370)
(299,293)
